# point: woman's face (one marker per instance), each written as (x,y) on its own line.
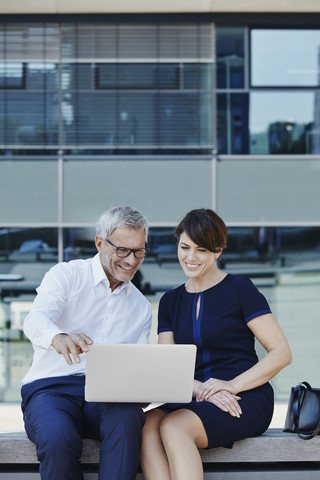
(196,261)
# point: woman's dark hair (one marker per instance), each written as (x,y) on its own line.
(205,228)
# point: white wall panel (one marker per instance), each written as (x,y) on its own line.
(163,190)
(271,190)
(28,191)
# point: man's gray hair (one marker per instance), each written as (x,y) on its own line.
(120,217)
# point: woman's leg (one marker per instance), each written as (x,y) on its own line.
(154,460)
(182,433)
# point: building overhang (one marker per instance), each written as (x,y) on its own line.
(22,7)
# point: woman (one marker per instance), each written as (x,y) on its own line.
(221,314)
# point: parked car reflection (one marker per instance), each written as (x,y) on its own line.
(35,249)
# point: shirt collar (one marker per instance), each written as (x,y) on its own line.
(100,276)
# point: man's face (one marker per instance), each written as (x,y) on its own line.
(117,269)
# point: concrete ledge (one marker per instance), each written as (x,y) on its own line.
(271,447)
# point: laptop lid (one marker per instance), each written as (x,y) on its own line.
(140,373)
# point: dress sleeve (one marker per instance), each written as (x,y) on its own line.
(253,303)
(164,317)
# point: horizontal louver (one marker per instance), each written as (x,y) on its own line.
(122,43)
(106,86)
(30,43)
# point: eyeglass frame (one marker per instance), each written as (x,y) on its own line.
(131,250)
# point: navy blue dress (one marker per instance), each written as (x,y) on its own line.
(225,349)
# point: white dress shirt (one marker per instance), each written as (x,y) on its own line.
(75,297)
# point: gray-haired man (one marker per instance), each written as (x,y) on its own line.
(78,303)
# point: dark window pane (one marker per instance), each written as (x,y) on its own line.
(32,118)
(78,243)
(185,119)
(89,119)
(137,119)
(3,120)
(136,76)
(12,75)
(232,123)
(230,57)
(77,75)
(197,75)
(42,76)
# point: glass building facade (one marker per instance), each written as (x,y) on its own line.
(166,116)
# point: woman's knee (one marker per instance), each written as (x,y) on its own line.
(151,429)
(182,426)
(153,421)
(171,429)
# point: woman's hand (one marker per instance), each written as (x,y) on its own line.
(196,386)
(227,402)
(212,386)
(222,393)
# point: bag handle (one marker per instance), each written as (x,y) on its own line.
(298,397)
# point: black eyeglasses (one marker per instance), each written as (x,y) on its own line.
(123,252)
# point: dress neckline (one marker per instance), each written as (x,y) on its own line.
(207,289)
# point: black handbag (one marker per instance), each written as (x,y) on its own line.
(303,414)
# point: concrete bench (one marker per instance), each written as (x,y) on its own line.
(262,458)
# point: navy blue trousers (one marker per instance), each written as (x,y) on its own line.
(57,417)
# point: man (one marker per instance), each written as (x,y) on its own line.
(78,303)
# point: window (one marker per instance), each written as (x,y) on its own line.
(285,58)
(79,87)
(25,255)
(284,122)
(233,111)
(230,57)
(138,76)
(12,75)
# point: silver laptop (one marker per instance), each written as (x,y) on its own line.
(140,373)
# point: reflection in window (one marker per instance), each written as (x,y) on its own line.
(230,57)
(42,76)
(284,262)
(285,57)
(279,123)
(185,119)
(27,245)
(26,254)
(284,122)
(136,76)
(12,75)
(75,76)
(232,123)
(138,118)
(32,118)
(78,243)
(197,75)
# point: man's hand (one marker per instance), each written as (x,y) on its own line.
(73,344)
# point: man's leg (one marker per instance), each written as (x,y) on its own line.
(119,426)
(54,423)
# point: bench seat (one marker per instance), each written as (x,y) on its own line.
(274,448)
